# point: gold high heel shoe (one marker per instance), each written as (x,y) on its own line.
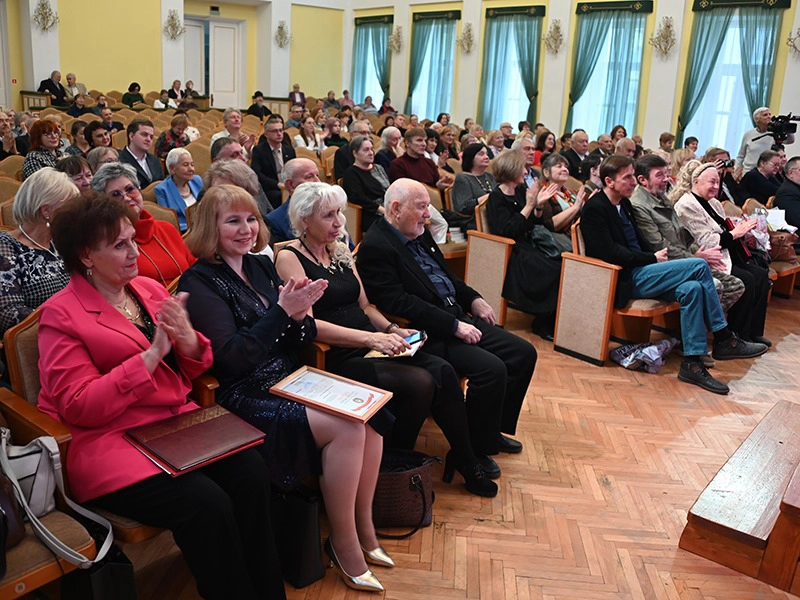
(366,582)
(378,557)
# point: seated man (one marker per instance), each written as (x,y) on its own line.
(227,148)
(136,153)
(52,86)
(659,226)
(760,183)
(415,165)
(525,146)
(625,147)
(109,124)
(788,195)
(296,171)
(78,107)
(269,157)
(343,159)
(295,116)
(577,154)
(508,136)
(590,173)
(8,143)
(405,274)
(610,234)
(605,146)
(257,108)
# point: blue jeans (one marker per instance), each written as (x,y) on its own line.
(689,281)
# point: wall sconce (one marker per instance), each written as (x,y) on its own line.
(554,38)
(466,40)
(44,16)
(173,28)
(282,37)
(663,40)
(794,42)
(396,40)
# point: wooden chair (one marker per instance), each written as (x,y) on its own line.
(585,327)
(454,164)
(11,165)
(149,193)
(120,139)
(7,213)
(163,213)
(448,197)
(352,215)
(574,185)
(8,188)
(116,95)
(201,155)
(309,154)
(435,195)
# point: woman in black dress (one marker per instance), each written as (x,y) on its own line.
(346,320)
(365,182)
(255,322)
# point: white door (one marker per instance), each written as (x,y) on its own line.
(194,54)
(226,63)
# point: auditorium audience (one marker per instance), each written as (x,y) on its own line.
(181,189)
(101,155)
(365,182)
(414,165)
(232,127)
(79,146)
(78,107)
(618,132)
(751,148)
(605,146)
(625,147)
(691,143)
(474,181)
(788,195)
(386,106)
(332,134)
(308,136)
(112,126)
(297,171)
(297,97)
(295,116)
(269,157)
(343,157)
(31,268)
(164,101)
(545,144)
(258,108)
(133,96)
(79,172)
(45,143)
(525,146)
(8,147)
(729,188)
(52,86)
(100,104)
(576,154)
(174,137)
(451,146)
(137,153)
(74,89)
(760,183)
(390,148)
(665,141)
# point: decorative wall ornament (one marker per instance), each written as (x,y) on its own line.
(554,38)
(663,40)
(44,16)
(794,42)
(282,36)
(466,40)
(173,27)
(396,40)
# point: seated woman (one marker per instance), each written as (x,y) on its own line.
(495,142)
(564,207)
(78,107)
(346,320)
(388,121)
(133,96)
(31,269)
(162,254)
(308,136)
(182,188)
(434,149)
(473,182)
(255,323)
(331,101)
(117,352)
(386,107)
(617,133)
(97,157)
(79,146)
(78,170)
(190,92)
(545,144)
(534,270)
(390,147)
(175,92)
(332,135)
(174,137)
(45,142)
(448,137)
(701,214)
(163,101)
(365,182)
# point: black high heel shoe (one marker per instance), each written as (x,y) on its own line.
(366,582)
(474,478)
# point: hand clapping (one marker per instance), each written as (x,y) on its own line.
(297,297)
(174,321)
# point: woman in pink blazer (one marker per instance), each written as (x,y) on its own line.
(116,351)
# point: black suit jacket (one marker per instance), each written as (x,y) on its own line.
(605,239)
(342,160)
(263,163)
(54,89)
(396,284)
(788,198)
(152,163)
(574,161)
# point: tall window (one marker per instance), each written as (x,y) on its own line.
(510,74)
(371,59)
(430,81)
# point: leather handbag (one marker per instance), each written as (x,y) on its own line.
(404,493)
(782,246)
(12,513)
(295,523)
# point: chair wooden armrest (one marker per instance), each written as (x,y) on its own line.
(313,354)
(28,422)
(590,261)
(203,390)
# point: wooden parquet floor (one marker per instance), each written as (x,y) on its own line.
(594,506)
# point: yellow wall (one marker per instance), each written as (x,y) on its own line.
(102,54)
(782,68)
(373,12)
(15,61)
(317,50)
(194,8)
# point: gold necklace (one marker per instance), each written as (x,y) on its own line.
(124,308)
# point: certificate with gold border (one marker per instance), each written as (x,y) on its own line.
(332,393)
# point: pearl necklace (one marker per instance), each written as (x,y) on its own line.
(39,246)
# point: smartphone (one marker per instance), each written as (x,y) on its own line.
(415,337)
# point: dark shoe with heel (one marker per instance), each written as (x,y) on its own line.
(475,479)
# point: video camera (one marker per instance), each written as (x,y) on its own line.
(781,126)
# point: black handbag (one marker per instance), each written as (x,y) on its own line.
(404,493)
(295,523)
(110,579)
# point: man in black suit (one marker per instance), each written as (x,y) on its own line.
(610,234)
(52,86)
(109,124)
(140,138)
(605,146)
(343,159)
(405,274)
(269,156)
(788,195)
(577,153)
(257,108)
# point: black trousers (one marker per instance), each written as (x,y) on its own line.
(746,317)
(219,517)
(499,368)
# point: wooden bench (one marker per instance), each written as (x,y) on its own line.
(733,520)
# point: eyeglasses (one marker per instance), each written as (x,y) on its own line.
(51,133)
(275,130)
(128,192)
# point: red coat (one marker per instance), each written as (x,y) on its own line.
(162,261)
(95,382)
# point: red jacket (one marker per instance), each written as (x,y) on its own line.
(162,261)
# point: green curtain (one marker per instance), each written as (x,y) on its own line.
(622,90)
(432,63)
(370,44)
(592,29)
(494,75)
(759,30)
(708,34)
(528,32)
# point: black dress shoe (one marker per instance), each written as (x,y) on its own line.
(760,339)
(489,467)
(694,371)
(508,445)
(475,480)
(736,347)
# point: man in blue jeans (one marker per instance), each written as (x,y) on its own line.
(610,234)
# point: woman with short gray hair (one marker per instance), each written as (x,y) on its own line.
(101,155)
(182,188)
(31,270)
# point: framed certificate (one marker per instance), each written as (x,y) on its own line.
(332,393)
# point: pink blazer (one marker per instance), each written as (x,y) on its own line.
(94,381)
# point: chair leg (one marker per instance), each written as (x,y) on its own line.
(631,329)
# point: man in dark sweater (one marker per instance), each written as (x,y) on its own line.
(415,165)
(760,183)
(788,195)
(343,159)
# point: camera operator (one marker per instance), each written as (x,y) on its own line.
(729,188)
(788,195)
(760,183)
(754,142)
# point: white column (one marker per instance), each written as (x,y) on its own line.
(398,82)
(272,70)
(465,94)
(40,51)
(662,88)
(553,80)
(790,98)
(347,52)
(172,62)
